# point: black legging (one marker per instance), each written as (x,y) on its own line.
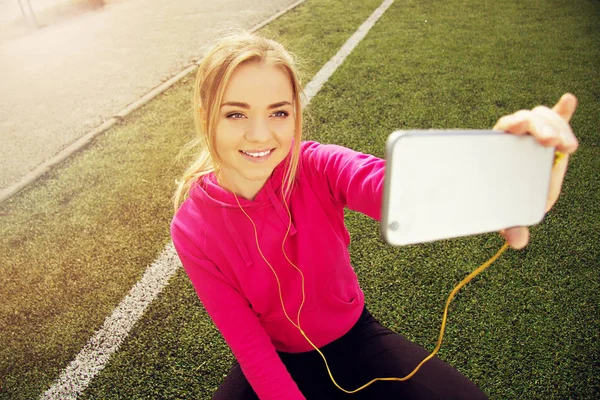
(367,351)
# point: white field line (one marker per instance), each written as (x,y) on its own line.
(329,68)
(74,379)
(95,354)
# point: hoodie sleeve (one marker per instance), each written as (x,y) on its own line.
(354,180)
(240,327)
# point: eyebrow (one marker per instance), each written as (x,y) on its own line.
(247,106)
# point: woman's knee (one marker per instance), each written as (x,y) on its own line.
(235,386)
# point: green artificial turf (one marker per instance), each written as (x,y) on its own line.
(74,243)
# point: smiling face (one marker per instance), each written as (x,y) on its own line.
(255,127)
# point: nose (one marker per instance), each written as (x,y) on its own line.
(258,131)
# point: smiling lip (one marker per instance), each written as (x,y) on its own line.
(257,156)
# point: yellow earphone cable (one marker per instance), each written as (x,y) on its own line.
(297,325)
(557,158)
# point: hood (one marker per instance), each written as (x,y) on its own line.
(207,193)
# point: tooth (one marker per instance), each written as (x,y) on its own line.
(259,154)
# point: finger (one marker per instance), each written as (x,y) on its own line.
(550,129)
(566,106)
(517,123)
(517,237)
(541,122)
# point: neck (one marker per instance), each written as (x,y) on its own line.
(247,191)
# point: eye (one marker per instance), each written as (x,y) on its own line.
(235,115)
(280,114)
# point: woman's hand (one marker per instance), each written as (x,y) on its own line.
(551,128)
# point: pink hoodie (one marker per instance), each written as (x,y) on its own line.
(216,244)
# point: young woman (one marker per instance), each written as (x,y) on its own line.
(259,228)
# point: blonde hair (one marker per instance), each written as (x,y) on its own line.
(213,76)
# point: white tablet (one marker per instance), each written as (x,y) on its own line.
(442,184)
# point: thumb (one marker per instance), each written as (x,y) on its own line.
(566,106)
(517,236)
